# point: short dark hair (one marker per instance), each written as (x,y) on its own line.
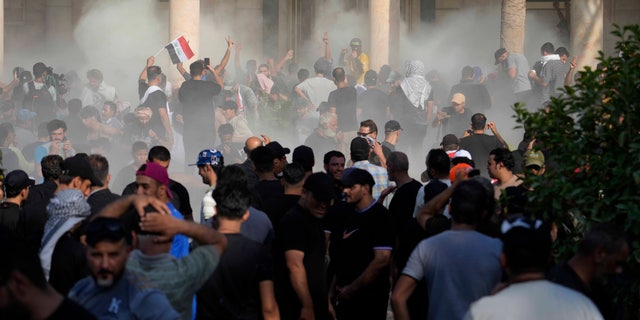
(106,229)
(100,166)
(225,128)
(90,111)
(196,68)
(139,145)
(95,74)
(438,160)
(159,153)
(262,158)
(56,124)
(606,235)
(369,124)
(478,121)
(232,193)
(562,51)
(112,105)
(504,156)
(19,257)
(303,74)
(338,74)
(293,173)
(468,202)
(153,72)
(467,72)
(51,167)
(399,161)
(547,47)
(527,245)
(331,154)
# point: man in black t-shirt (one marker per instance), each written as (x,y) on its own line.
(480,144)
(152,95)
(343,102)
(30,296)
(455,118)
(362,252)
(241,287)
(300,250)
(373,103)
(198,110)
(268,190)
(16,184)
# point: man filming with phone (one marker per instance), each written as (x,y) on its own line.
(455,118)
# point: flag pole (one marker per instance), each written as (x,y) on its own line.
(159,51)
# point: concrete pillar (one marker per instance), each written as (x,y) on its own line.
(184,20)
(512,25)
(58,21)
(587,31)
(1,36)
(379,20)
(394,33)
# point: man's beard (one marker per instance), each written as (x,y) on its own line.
(329,133)
(108,281)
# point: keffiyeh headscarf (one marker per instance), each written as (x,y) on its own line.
(414,85)
(65,210)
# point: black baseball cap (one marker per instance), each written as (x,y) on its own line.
(277,148)
(353,176)
(320,185)
(18,180)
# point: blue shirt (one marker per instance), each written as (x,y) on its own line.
(180,244)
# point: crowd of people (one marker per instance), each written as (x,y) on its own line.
(340,231)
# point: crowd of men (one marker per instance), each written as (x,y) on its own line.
(277,237)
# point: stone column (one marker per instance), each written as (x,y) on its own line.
(58,21)
(380,22)
(184,20)
(587,31)
(1,36)
(512,25)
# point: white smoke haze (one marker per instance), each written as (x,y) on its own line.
(117,36)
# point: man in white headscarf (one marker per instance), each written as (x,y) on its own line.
(417,108)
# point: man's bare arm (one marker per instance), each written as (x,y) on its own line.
(270,309)
(298,278)
(401,293)
(143,75)
(169,226)
(225,58)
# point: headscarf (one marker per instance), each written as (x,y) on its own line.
(65,210)
(414,85)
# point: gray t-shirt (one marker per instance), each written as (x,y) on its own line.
(520,63)
(129,298)
(553,73)
(459,267)
(179,279)
(317,89)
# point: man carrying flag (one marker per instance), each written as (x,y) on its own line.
(179,50)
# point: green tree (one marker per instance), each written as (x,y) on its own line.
(592,135)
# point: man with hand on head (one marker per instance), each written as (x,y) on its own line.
(111,291)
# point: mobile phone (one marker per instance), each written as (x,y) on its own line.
(207,61)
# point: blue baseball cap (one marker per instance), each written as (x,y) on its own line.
(211,157)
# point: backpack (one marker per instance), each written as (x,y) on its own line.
(40,101)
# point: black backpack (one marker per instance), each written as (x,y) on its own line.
(40,101)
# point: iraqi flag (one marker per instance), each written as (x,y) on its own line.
(179,50)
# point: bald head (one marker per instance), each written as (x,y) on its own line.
(252,143)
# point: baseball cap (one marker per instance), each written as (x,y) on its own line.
(458,98)
(498,53)
(393,76)
(449,140)
(357,176)
(78,166)
(304,156)
(459,167)
(391,126)
(463,154)
(209,156)
(155,172)
(277,148)
(24,114)
(370,78)
(17,180)
(321,186)
(534,158)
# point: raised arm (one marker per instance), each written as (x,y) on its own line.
(282,61)
(150,61)
(494,130)
(568,78)
(225,58)
(327,46)
(169,226)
